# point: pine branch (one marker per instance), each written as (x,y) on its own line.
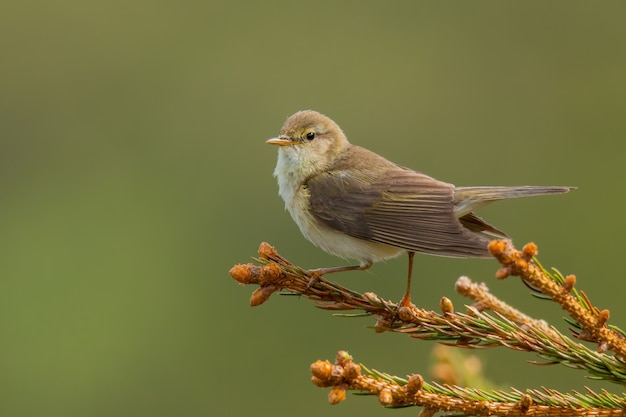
(591,320)
(392,391)
(489,322)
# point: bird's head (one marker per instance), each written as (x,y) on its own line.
(309,142)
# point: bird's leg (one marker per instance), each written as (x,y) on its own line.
(323,271)
(406,299)
(318,272)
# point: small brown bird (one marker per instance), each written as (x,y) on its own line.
(355,204)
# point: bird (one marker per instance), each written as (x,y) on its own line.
(355,204)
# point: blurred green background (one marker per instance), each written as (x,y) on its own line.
(134,174)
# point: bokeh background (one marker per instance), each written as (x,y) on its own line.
(134,174)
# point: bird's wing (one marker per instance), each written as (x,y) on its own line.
(407,209)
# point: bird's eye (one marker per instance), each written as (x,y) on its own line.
(310,136)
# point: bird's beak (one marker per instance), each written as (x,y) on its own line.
(281,141)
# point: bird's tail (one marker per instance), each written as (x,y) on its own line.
(467,199)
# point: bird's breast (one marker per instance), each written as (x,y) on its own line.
(330,240)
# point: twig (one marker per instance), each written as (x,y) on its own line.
(592,321)
(345,375)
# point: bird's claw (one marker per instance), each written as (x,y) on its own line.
(314,277)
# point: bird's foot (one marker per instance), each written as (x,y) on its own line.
(314,276)
(404,309)
(405,301)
